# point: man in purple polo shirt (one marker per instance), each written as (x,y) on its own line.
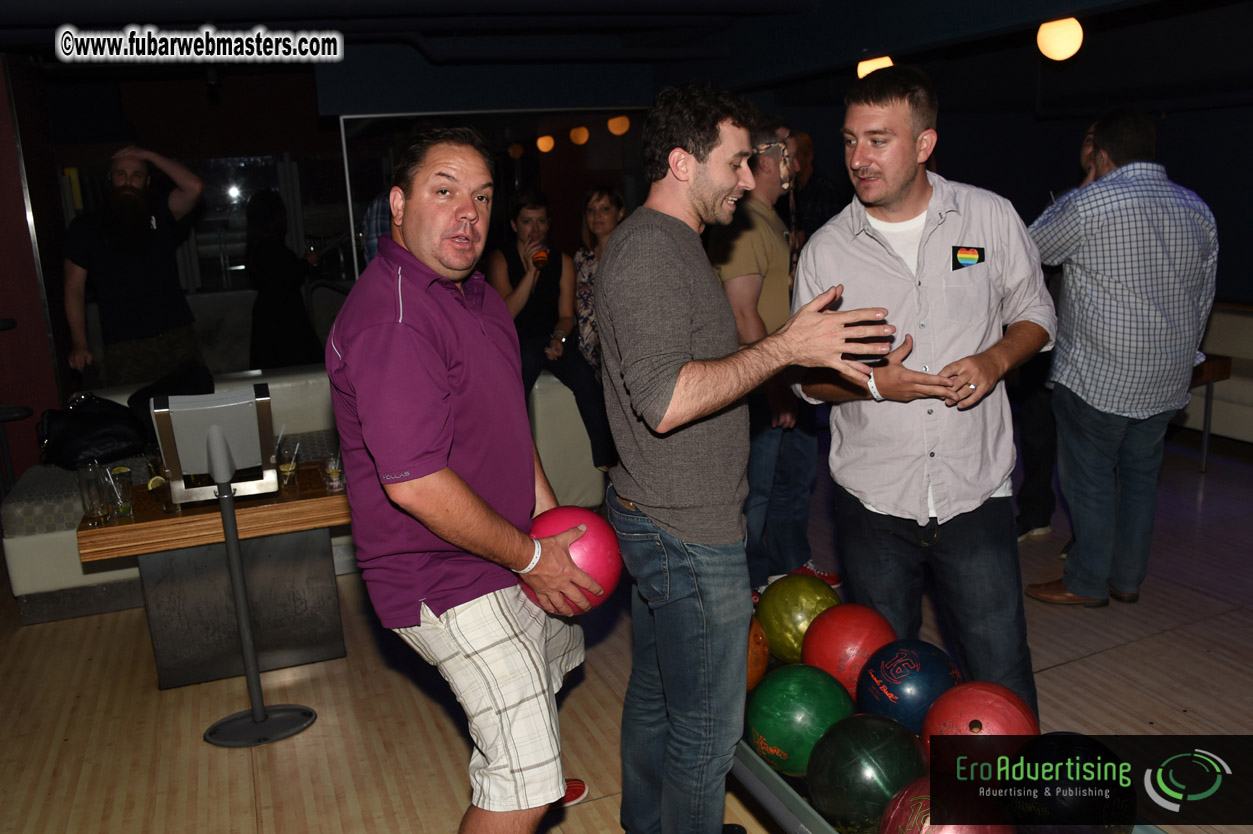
(443,479)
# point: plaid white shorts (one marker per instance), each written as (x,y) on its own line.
(505,659)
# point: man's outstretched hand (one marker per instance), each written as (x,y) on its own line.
(819,338)
(897,383)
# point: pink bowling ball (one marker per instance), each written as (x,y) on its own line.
(596,551)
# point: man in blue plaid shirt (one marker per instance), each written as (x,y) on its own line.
(1139,255)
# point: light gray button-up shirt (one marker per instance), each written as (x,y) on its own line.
(978,272)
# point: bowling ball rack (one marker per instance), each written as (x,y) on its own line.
(786,807)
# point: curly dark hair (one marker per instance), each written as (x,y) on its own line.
(414,154)
(903,83)
(688,117)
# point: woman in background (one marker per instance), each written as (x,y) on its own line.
(537,284)
(282,333)
(603,210)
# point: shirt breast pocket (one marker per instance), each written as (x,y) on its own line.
(968,293)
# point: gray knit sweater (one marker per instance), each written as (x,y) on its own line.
(658,306)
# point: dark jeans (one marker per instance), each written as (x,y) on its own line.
(781,468)
(1108,466)
(684,707)
(974,559)
(574,373)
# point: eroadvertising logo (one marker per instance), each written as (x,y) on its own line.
(1073,779)
(1186,777)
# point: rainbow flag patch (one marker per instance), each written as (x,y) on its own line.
(964,256)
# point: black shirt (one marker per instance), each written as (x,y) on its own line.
(138,292)
(538,318)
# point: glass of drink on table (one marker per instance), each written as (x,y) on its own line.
(121,490)
(333,474)
(159,485)
(287,459)
(93,489)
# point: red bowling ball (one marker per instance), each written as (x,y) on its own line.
(978,708)
(596,551)
(909,812)
(842,638)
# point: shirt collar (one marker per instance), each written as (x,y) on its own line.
(1135,170)
(943,200)
(422,276)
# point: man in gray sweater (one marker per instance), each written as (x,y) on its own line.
(674,383)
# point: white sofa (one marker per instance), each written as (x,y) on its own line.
(562,443)
(1230,333)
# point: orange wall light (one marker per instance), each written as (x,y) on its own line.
(1059,39)
(866,67)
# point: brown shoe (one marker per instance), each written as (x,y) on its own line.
(1123,596)
(1055,593)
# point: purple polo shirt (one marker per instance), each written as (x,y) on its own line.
(424,378)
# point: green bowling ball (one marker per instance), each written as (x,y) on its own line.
(858,766)
(786,609)
(789,711)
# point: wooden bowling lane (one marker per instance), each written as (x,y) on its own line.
(90,744)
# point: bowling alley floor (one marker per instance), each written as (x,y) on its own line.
(89,744)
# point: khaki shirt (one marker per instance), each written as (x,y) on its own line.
(756,243)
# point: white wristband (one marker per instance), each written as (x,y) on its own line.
(539,548)
(874,389)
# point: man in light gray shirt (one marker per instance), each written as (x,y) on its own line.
(922,451)
(674,383)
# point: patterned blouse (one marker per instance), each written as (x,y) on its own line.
(585,264)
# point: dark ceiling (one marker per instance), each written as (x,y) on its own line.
(1144,50)
(1009,115)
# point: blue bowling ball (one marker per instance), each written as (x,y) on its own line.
(903,678)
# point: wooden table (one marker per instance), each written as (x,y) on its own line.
(285,548)
(149,529)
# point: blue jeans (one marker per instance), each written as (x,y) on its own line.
(781,468)
(684,706)
(1108,467)
(974,560)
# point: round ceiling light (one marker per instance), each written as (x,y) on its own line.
(1059,39)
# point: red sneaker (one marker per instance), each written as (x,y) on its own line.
(576,791)
(810,569)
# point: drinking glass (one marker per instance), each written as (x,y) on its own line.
(97,497)
(287,466)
